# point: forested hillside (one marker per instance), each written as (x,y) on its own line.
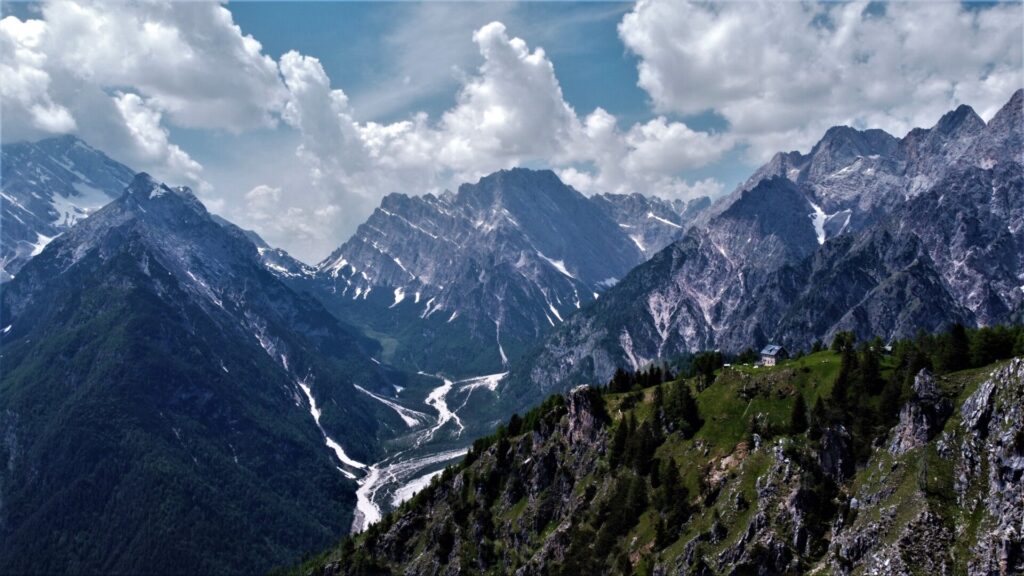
(839,461)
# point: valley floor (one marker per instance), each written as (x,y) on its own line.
(434,441)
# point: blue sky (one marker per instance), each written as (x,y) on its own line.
(355,42)
(295,119)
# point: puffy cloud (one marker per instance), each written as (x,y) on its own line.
(142,120)
(668,147)
(190,59)
(510,112)
(119,76)
(647,158)
(24,81)
(331,140)
(267,210)
(780,73)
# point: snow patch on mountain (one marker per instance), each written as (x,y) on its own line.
(339,452)
(41,242)
(411,418)
(399,296)
(490,382)
(818,217)
(652,215)
(558,264)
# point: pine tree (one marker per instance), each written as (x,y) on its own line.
(621,382)
(869,365)
(640,448)
(661,537)
(818,421)
(844,380)
(689,417)
(636,502)
(658,405)
(957,354)
(618,446)
(705,365)
(669,484)
(798,416)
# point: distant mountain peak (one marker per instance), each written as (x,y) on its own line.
(515,185)
(851,141)
(145,186)
(1011,116)
(48,186)
(963,118)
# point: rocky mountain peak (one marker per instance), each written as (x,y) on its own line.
(842,146)
(962,120)
(1011,111)
(154,201)
(502,260)
(47,187)
(774,208)
(521,191)
(1003,138)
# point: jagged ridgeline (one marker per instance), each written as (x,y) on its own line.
(861,458)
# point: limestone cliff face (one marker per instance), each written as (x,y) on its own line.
(921,417)
(948,504)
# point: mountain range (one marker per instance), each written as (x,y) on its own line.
(465,281)
(866,233)
(169,375)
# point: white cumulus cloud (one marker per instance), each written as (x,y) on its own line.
(119,75)
(510,112)
(781,73)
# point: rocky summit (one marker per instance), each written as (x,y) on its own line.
(47,187)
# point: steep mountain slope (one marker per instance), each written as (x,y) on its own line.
(650,222)
(767,264)
(46,187)
(854,176)
(618,483)
(159,382)
(466,281)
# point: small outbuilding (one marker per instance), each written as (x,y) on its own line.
(772,354)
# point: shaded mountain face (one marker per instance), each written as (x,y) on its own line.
(160,383)
(47,186)
(652,223)
(930,234)
(466,281)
